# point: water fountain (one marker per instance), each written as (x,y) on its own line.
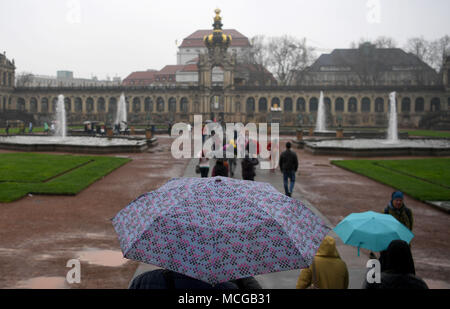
(61,127)
(320,123)
(389,146)
(78,144)
(121,115)
(392,129)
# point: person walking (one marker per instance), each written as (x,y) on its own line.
(203,163)
(288,164)
(399,211)
(327,271)
(219,169)
(46,128)
(248,167)
(397,269)
(7,128)
(30,127)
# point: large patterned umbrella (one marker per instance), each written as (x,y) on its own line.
(219,229)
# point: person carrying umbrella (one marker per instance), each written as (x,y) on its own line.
(328,270)
(397,269)
(399,211)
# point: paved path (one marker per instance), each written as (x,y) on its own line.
(288,279)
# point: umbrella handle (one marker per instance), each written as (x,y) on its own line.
(359,247)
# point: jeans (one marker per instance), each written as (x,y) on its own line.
(204,171)
(286,176)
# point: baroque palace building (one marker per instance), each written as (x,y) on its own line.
(356,84)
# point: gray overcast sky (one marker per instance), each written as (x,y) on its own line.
(116,37)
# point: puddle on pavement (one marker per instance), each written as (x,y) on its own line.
(109,258)
(43,283)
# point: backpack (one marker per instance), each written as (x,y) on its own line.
(407,210)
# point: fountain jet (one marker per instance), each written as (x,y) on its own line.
(60,126)
(320,123)
(392,129)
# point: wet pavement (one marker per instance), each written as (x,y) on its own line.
(39,234)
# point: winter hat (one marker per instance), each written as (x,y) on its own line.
(396,195)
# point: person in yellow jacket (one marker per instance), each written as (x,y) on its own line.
(330,270)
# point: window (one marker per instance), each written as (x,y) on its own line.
(275,102)
(44,105)
(101,104)
(379,105)
(339,105)
(352,105)
(148,105)
(67,104)
(112,105)
(301,105)
(406,105)
(420,105)
(250,106)
(365,105)
(160,104)
(288,105)
(435,105)
(313,104)
(89,105)
(184,105)
(33,105)
(262,105)
(136,105)
(172,105)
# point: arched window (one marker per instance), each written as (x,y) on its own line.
(250,106)
(420,105)
(262,108)
(33,105)
(44,105)
(301,105)
(21,104)
(406,105)
(78,105)
(112,105)
(313,104)
(379,105)
(288,105)
(67,104)
(339,105)
(352,105)
(160,104)
(435,105)
(327,102)
(148,104)
(54,104)
(136,105)
(101,105)
(172,105)
(184,105)
(365,105)
(275,102)
(90,105)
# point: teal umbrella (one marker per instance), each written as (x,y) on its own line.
(371,230)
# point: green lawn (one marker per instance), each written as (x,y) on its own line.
(23,173)
(35,129)
(422,179)
(427,133)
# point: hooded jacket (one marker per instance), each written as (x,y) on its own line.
(403,215)
(397,269)
(331,270)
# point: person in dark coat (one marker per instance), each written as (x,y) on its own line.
(397,269)
(288,165)
(248,167)
(219,169)
(399,211)
(166,279)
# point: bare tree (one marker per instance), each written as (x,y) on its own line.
(420,47)
(288,56)
(385,42)
(258,57)
(438,50)
(379,42)
(24,79)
